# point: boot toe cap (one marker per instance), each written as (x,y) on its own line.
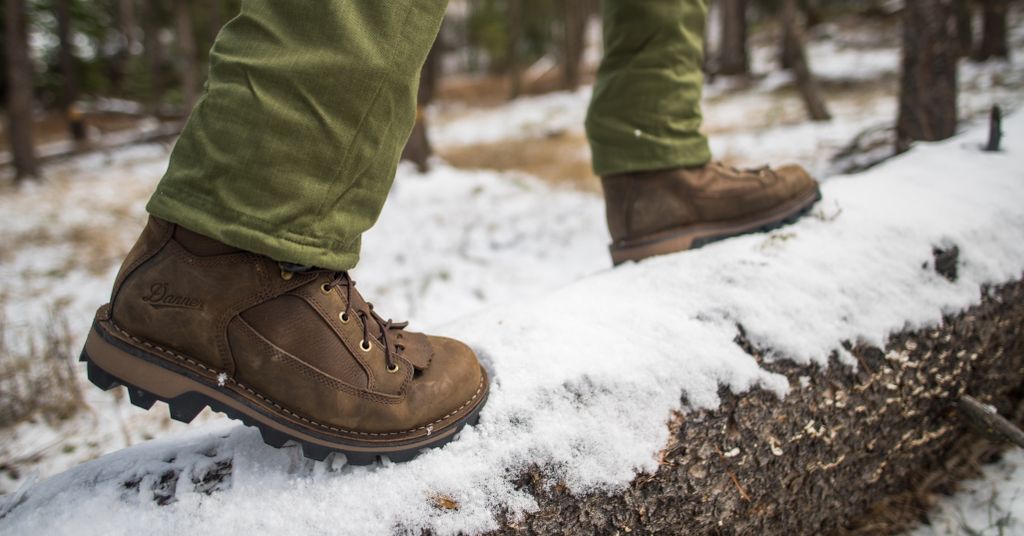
(797,180)
(452,384)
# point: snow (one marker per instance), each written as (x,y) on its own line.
(990,505)
(488,241)
(761,123)
(587,361)
(585,375)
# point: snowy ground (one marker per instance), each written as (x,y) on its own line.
(587,399)
(751,122)
(992,505)
(504,243)
(487,239)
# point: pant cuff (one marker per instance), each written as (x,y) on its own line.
(610,160)
(247,232)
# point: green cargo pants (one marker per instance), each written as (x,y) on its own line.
(292,149)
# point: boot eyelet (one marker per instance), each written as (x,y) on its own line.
(286,275)
(392,368)
(326,289)
(343,316)
(365,345)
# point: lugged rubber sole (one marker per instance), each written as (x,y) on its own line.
(111,362)
(695,236)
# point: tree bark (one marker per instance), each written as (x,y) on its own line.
(154,51)
(733,56)
(515,33)
(928,88)
(216,20)
(994,42)
(68,71)
(417,148)
(19,90)
(964,26)
(844,442)
(576,14)
(811,18)
(805,80)
(119,64)
(786,51)
(187,50)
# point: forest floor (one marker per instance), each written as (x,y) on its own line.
(501,236)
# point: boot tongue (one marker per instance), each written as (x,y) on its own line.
(417,349)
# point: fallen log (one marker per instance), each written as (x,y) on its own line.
(844,439)
(779,383)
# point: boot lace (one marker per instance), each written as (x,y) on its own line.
(342,279)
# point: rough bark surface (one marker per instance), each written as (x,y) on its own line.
(733,57)
(19,90)
(964,26)
(515,34)
(417,148)
(187,49)
(927,110)
(152,14)
(819,461)
(806,82)
(994,43)
(576,13)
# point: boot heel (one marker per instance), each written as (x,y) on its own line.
(110,366)
(145,382)
(98,376)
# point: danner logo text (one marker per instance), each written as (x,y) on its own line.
(159,297)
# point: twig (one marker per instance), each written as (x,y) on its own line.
(984,419)
(735,481)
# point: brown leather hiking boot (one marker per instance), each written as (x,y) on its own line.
(299,354)
(658,212)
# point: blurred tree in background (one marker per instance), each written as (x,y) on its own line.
(71,69)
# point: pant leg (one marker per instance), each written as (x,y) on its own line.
(645,110)
(293,147)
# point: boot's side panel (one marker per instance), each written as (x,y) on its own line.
(156,233)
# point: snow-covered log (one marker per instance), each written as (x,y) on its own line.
(843,440)
(777,383)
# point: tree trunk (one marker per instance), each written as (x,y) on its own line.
(154,50)
(786,51)
(849,450)
(216,20)
(927,109)
(811,19)
(68,71)
(19,90)
(187,50)
(576,14)
(805,80)
(417,148)
(119,64)
(812,13)
(993,31)
(515,33)
(430,75)
(964,26)
(733,57)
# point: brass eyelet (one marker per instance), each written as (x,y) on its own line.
(392,368)
(286,275)
(326,289)
(365,345)
(343,316)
